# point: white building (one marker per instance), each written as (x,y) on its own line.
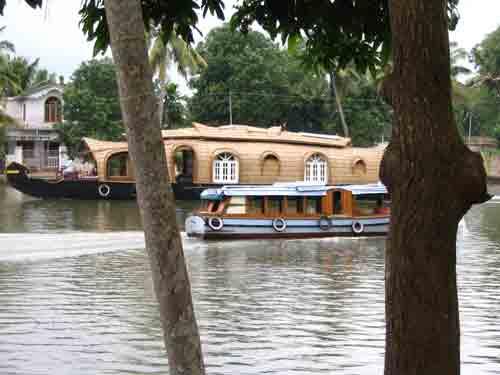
(35,143)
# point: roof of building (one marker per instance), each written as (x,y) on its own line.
(294,189)
(38,91)
(251,133)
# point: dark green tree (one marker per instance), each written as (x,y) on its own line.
(174,107)
(267,85)
(486,56)
(8,81)
(91,105)
(368,116)
(24,71)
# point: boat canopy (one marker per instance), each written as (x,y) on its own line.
(294,189)
(365,189)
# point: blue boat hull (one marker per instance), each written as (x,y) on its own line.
(234,228)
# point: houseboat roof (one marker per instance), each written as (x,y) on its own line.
(101,148)
(244,133)
(294,189)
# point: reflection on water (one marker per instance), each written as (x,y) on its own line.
(77,298)
(21,213)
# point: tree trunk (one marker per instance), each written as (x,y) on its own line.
(433,179)
(161,105)
(335,94)
(156,202)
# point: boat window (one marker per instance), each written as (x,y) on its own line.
(359,168)
(274,205)
(256,205)
(370,205)
(313,205)
(237,205)
(316,169)
(225,168)
(337,202)
(118,165)
(295,205)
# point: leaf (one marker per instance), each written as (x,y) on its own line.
(293,43)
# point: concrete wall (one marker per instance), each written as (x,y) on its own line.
(35,109)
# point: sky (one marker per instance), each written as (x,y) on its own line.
(53,35)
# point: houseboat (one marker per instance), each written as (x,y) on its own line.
(293,210)
(104,171)
(201,157)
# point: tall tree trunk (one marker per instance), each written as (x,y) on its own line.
(154,194)
(433,179)
(161,104)
(335,94)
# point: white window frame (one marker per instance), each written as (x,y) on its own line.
(316,169)
(225,169)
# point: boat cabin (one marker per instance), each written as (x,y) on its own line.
(296,201)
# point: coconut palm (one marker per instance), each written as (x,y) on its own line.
(163,53)
(7,79)
(25,74)
(341,82)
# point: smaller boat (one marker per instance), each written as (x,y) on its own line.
(291,210)
(73,187)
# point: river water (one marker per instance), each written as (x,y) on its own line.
(76,296)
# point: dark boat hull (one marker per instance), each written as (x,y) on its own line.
(18,177)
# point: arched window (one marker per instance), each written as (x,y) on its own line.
(119,166)
(225,169)
(316,169)
(53,110)
(270,167)
(359,168)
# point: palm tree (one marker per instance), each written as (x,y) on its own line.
(341,80)
(7,79)
(25,73)
(163,53)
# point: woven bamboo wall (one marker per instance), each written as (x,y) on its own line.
(252,159)
(265,156)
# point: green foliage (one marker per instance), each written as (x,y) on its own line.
(174,50)
(175,112)
(24,73)
(369,118)
(486,56)
(91,105)
(267,85)
(337,33)
(477,104)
